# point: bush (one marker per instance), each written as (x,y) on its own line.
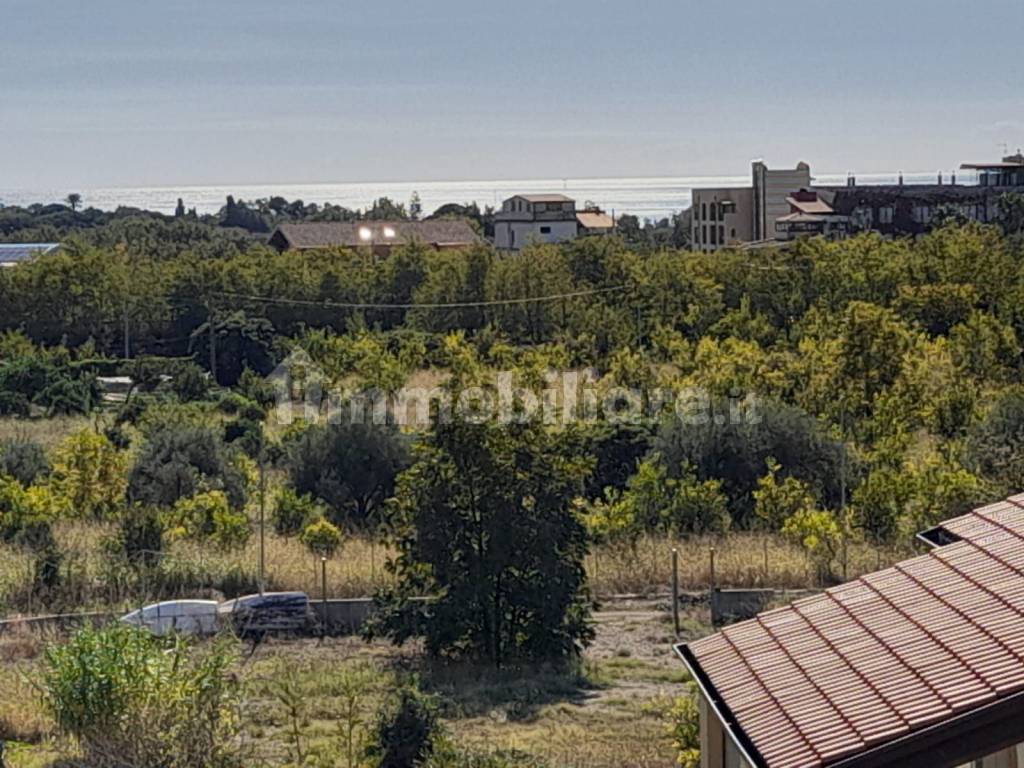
(406,731)
(209,516)
(89,475)
(178,462)
(128,699)
(191,383)
(351,467)
(26,462)
(292,512)
(321,538)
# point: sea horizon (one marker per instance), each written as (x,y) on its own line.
(647,197)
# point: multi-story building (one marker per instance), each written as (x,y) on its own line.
(732,216)
(526,219)
(782,205)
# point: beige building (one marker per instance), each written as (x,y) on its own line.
(731,216)
(920,665)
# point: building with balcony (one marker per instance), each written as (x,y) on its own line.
(548,218)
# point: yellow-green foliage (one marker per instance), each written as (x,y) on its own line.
(89,475)
(209,516)
(322,538)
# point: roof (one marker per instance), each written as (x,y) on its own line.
(991,166)
(546,198)
(846,678)
(595,220)
(353,234)
(817,205)
(14,253)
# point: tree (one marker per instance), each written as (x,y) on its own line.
(178,462)
(321,538)
(820,534)
(73,200)
(775,502)
(995,445)
(89,475)
(351,467)
(735,449)
(485,528)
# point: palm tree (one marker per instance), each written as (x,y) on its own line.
(74,200)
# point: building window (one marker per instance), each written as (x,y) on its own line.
(704,210)
(922,214)
(885,214)
(704,234)
(721,234)
(714,235)
(732,233)
(545,230)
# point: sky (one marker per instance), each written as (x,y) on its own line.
(146,93)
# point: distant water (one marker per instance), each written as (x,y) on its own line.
(655,197)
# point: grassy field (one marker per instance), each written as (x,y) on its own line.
(309,697)
(191,569)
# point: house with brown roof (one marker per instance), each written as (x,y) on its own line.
(379,236)
(920,664)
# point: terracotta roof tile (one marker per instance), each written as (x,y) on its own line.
(873,660)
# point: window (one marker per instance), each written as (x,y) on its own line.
(922,214)
(885,214)
(714,235)
(714,211)
(703,210)
(721,234)
(545,230)
(732,233)
(704,234)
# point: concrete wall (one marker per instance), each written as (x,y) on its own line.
(344,617)
(732,605)
(735,226)
(516,235)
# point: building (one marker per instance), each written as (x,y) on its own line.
(526,219)
(920,664)
(12,254)
(730,216)
(782,205)
(379,236)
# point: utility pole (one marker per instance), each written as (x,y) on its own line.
(127,336)
(263,508)
(842,491)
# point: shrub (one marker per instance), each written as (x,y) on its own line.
(179,462)
(25,461)
(293,512)
(190,383)
(89,474)
(128,699)
(210,516)
(684,729)
(321,538)
(406,731)
(351,467)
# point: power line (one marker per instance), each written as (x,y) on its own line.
(446,305)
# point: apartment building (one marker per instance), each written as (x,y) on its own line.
(549,218)
(731,216)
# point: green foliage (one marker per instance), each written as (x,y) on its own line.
(350,467)
(406,731)
(820,534)
(209,516)
(485,528)
(178,462)
(683,728)
(23,460)
(321,538)
(735,449)
(776,501)
(129,699)
(89,475)
(995,445)
(294,511)
(190,384)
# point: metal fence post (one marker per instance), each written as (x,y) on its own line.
(675,589)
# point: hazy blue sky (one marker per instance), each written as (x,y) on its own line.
(129,92)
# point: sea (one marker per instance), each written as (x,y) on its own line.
(645,197)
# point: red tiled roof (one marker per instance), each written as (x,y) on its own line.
(871,661)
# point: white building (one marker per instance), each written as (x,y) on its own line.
(526,219)
(730,216)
